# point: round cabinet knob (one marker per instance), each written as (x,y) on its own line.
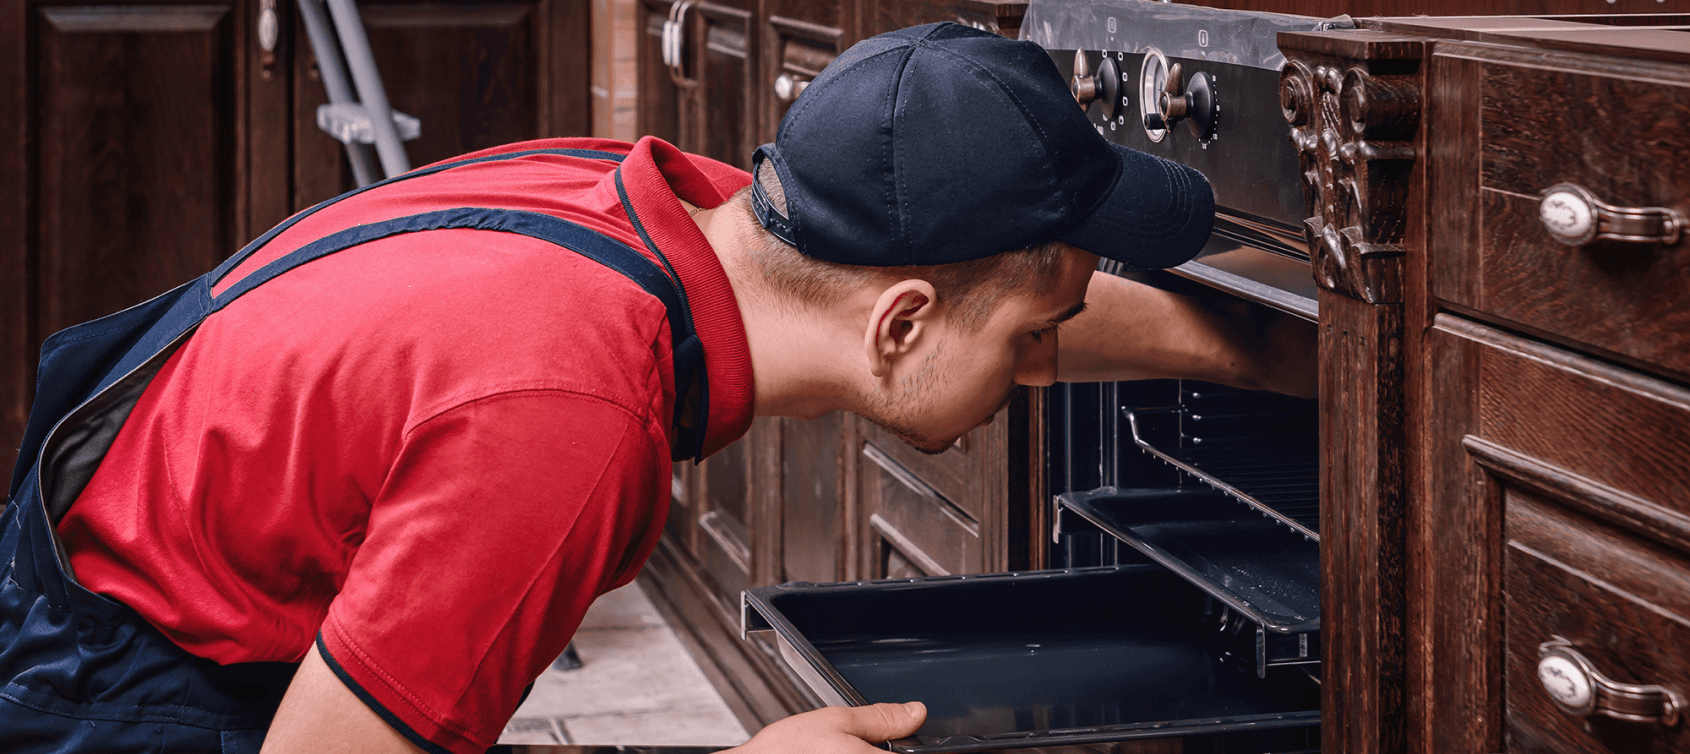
(1569,214)
(788,86)
(1566,682)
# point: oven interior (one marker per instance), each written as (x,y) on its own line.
(1180,600)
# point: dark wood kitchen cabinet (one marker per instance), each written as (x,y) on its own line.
(1557,462)
(139,145)
(1507,557)
(143,142)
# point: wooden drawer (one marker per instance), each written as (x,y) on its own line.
(912,529)
(1550,118)
(1588,466)
(1613,442)
(969,473)
(1621,605)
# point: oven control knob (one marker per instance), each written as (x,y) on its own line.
(1104,87)
(1084,86)
(1109,88)
(1192,102)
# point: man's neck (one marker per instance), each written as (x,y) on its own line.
(800,358)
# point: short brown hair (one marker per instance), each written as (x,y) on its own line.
(974,287)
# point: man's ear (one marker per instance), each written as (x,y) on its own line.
(904,314)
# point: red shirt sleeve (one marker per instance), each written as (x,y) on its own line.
(502,520)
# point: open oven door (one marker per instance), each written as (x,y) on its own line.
(1072,656)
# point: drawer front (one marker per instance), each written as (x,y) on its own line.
(913,530)
(970,473)
(1618,132)
(1621,605)
(1615,442)
(1585,467)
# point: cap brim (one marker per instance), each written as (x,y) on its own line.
(1158,213)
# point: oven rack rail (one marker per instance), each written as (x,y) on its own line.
(1280,477)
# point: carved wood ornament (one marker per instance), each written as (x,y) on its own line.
(1354,130)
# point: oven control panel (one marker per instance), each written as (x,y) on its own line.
(1192,84)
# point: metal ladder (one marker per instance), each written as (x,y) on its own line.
(361,120)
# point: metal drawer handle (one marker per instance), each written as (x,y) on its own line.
(788,86)
(1578,689)
(1575,217)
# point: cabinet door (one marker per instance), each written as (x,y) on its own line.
(738,518)
(476,75)
(130,137)
(658,97)
(1557,491)
(800,38)
(813,541)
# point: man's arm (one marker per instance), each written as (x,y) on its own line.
(1132,331)
(319,714)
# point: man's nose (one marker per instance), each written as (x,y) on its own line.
(1038,363)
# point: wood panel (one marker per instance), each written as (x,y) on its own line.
(1622,605)
(999,16)
(1458,548)
(723,123)
(1363,527)
(1449,570)
(1352,100)
(910,526)
(18,336)
(1612,127)
(812,532)
(658,97)
(138,188)
(724,539)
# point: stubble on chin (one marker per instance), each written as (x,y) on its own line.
(894,412)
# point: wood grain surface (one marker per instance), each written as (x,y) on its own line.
(1622,604)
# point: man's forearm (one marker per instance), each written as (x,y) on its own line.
(1132,331)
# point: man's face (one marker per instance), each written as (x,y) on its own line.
(967,374)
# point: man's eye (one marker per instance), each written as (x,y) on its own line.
(1039,334)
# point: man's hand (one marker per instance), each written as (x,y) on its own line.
(837,730)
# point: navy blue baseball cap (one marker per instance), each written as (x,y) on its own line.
(943,143)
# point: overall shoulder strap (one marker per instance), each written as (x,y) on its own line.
(234,261)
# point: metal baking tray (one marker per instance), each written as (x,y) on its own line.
(1039,658)
(1255,566)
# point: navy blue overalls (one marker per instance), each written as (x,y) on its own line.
(80,672)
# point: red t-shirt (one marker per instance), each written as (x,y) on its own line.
(432,451)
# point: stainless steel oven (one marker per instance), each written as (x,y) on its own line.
(1182,596)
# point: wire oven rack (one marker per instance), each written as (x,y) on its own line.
(1265,451)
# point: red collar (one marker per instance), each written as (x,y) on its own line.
(658,177)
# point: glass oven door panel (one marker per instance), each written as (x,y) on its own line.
(1038,658)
